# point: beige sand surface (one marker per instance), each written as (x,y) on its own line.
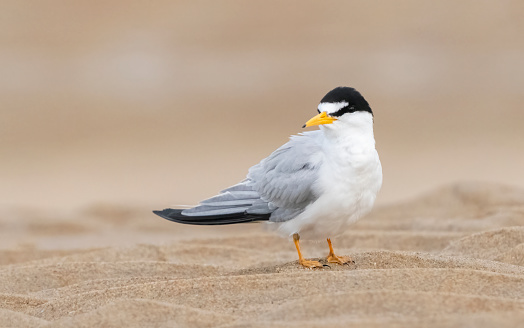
(453,257)
(112,108)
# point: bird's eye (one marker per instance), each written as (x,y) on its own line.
(318,110)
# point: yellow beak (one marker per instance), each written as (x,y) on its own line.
(321,118)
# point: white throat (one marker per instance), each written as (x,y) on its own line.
(357,127)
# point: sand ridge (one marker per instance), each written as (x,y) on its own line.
(452,257)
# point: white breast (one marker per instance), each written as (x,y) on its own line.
(349,181)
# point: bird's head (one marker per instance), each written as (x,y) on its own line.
(337,104)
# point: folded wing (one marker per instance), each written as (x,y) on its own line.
(278,188)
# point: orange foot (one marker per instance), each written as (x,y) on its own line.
(332,258)
(303,262)
(310,264)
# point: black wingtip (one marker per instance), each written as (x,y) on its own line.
(169,214)
(175,215)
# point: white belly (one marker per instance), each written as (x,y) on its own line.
(348,192)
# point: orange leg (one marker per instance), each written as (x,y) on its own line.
(332,258)
(301,260)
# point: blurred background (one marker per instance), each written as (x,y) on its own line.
(167,102)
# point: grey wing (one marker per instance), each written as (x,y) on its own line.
(233,200)
(281,185)
(285,179)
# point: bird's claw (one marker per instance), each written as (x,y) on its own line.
(310,264)
(342,260)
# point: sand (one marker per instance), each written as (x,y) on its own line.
(453,257)
(147,104)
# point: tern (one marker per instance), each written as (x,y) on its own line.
(314,186)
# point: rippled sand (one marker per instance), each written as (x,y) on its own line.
(454,257)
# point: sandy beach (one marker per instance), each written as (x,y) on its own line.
(112,109)
(453,257)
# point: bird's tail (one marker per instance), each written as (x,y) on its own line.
(176,215)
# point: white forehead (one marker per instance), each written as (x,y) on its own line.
(331,107)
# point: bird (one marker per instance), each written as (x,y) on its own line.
(314,186)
